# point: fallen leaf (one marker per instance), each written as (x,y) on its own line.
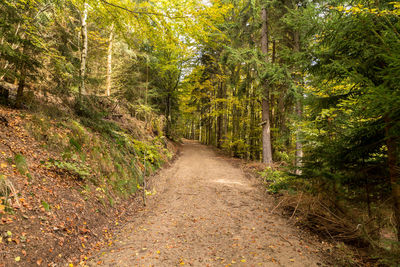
(17,259)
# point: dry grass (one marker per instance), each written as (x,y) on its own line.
(345,223)
(7,190)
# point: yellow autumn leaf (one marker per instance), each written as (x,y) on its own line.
(3,165)
(2,207)
(243,260)
(17,259)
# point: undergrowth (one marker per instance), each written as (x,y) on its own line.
(99,152)
(360,236)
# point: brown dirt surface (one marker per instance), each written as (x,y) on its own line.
(206,212)
(76,224)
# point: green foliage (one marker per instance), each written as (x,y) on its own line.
(276,180)
(75,144)
(20,38)
(21,164)
(81,170)
(46,205)
(344,131)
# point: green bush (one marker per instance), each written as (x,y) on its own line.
(277,180)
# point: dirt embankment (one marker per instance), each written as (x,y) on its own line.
(50,213)
(205,212)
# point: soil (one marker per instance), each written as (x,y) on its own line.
(76,222)
(204,211)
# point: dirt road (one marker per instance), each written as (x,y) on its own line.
(207,213)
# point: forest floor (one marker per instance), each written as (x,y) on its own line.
(205,211)
(59,218)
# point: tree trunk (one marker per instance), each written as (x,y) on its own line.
(266,131)
(219,107)
(109,61)
(82,90)
(168,115)
(199,128)
(21,86)
(299,109)
(394,168)
(299,145)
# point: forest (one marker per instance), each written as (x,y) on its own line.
(307,89)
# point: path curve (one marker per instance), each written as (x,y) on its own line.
(207,213)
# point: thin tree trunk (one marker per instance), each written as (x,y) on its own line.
(168,115)
(109,61)
(394,169)
(219,108)
(299,145)
(299,109)
(200,128)
(147,82)
(266,131)
(21,86)
(82,89)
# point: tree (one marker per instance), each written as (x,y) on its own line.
(266,136)
(109,61)
(84,49)
(20,41)
(354,66)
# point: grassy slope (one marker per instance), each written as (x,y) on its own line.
(64,180)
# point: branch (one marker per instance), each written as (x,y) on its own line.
(262,123)
(140,12)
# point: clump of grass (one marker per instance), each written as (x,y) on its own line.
(78,169)
(7,189)
(41,128)
(20,163)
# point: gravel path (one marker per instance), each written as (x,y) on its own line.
(205,212)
